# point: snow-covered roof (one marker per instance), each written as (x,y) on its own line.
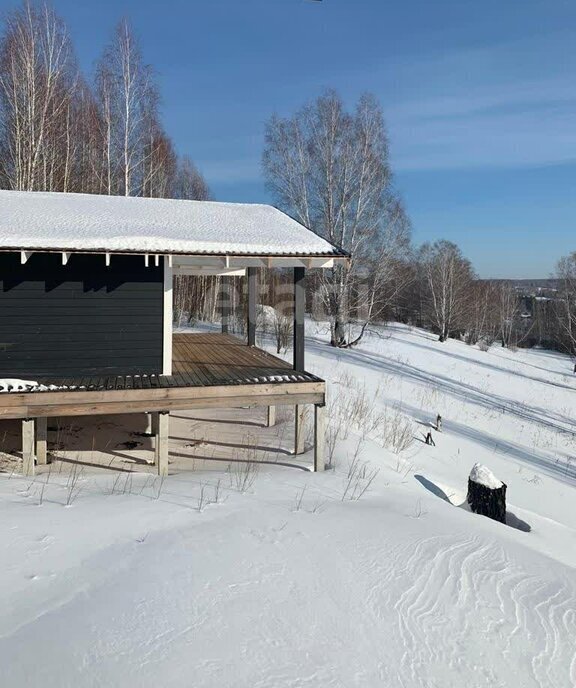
(84,222)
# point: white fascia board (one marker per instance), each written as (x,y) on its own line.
(209,272)
(224,262)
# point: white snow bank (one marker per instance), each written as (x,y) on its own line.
(17,385)
(483,476)
(39,220)
(9,384)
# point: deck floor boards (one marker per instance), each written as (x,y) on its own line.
(200,360)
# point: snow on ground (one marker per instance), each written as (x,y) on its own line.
(286,579)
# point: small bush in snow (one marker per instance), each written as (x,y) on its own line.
(73,485)
(360,477)
(209,494)
(282,328)
(357,410)
(243,474)
(396,431)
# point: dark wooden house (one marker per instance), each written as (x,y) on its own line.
(86,310)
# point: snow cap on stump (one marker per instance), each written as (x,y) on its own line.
(482,475)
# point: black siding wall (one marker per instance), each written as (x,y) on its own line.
(79,319)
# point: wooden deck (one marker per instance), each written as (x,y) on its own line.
(222,359)
(209,371)
(198,360)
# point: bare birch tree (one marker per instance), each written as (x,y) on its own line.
(189,184)
(481,319)
(566,273)
(90,173)
(508,309)
(160,164)
(59,134)
(38,79)
(128,99)
(329,169)
(447,277)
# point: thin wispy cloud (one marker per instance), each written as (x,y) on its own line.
(506,105)
(534,136)
(489,107)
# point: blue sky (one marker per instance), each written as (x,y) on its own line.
(479,98)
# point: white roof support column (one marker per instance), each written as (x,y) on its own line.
(167,318)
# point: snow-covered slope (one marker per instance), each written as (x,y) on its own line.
(292,583)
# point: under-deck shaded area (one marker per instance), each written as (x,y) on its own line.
(199,440)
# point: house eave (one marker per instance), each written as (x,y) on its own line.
(233,260)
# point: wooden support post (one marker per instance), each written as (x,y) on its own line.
(42,441)
(152,423)
(28,446)
(299,430)
(167,318)
(225,304)
(152,430)
(161,448)
(319,436)
(252,294)
(299,308)
(271,419)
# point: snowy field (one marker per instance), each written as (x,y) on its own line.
(366,575)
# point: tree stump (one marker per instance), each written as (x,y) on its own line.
(486,494)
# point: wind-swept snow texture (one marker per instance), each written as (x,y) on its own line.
(288,585)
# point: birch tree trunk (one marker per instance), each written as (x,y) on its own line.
(329,169)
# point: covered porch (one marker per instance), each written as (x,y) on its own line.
(210,370)
(93,309)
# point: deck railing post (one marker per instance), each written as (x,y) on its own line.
(28,456)
(225,304)
(271,416)
(161,444)
(299,428)
(252,294)
(42,440)
(299,307)
(319,436)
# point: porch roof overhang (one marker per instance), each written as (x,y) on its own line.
(198,237)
